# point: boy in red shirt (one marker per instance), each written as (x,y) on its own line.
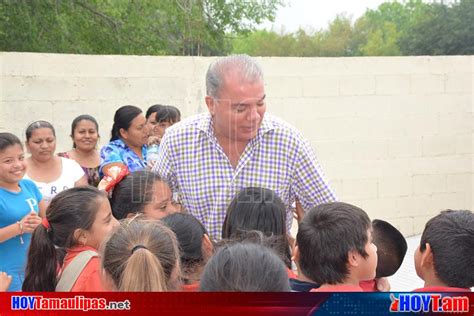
(335,249)
(445,257)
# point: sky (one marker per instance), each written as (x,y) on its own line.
(316,14)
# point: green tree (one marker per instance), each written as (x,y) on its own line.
(442,30)
(336,40)
(175,27)
(382,42)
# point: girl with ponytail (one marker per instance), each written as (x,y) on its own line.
(142,256)
(77,221)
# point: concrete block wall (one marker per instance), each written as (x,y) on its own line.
(394,134)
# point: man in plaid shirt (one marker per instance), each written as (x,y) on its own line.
(207,159)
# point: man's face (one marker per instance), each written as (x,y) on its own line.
(239,109)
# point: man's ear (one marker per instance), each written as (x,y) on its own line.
(211,104)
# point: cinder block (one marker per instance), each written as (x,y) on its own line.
(357,85)
(370,106)
(396,167)
(376,208)
(372,149)
(459,82)
(162,87)
(427,84)
(392,85)
(460,182)
(438,145)
(456,123)
(359,188)
(316,108)
(465,144)
(103,88)
(403,147)
(320,86)
(357,169)
(289,87)
(395,186)
(405,105)
(429,184)
(404,225)
(444,201)
(419,223)
(441,164)
(333,128)
(39,88)
(334,150)
(428,124)
(415,205)
(448,103)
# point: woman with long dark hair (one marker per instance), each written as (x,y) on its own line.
(127,146)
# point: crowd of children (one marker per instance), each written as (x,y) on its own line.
(59,232)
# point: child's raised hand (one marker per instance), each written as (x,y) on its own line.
(298,212)
(30,222)
(5,281)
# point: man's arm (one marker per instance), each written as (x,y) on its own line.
(164,165)
(310,185)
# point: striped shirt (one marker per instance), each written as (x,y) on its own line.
(278,158)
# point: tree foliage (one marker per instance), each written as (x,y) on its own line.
(219,27)
(151,27)
(413,27)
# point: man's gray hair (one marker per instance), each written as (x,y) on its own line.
(247,67)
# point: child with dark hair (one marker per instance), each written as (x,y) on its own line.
(141,256)
(166,116)
(334,247)
(142,192)
(21,205)
(245,267)
(391,250)
(159,118)
(195,245)
(262,210)
(77,220)
(445,257)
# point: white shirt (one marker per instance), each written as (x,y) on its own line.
(71,172)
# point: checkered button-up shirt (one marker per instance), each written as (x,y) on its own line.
(278,158)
